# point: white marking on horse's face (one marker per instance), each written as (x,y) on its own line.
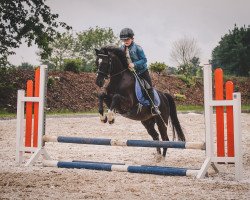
(99,61)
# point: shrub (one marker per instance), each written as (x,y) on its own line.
(180,97)
(88,68)
(72,65)
(157,67)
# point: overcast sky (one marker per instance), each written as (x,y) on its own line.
(156,23)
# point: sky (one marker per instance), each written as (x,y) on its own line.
(157,24)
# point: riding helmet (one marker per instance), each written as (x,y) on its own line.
(126,33)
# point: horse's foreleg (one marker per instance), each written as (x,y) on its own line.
(116,102)
(101,98)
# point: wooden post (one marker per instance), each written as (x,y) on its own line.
(218,77)
(29,114)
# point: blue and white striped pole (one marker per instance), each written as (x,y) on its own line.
(130,143)
(143,169)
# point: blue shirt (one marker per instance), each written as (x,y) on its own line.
(138,57)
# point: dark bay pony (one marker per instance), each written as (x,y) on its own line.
(120,97)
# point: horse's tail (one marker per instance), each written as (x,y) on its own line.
(174,119)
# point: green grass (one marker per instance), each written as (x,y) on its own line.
(68,112)
(245,108)
(180,108)
(5,114)
(192,108)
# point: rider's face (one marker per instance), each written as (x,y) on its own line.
(127,42)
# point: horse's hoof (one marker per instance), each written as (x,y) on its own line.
(159,158)
(111,117)
(112,121)
(103,119)
(158,150)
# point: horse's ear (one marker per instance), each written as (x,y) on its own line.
(97,51)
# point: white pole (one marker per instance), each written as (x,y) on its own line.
(208,109)
(237,136)
(41,117)
(20,126)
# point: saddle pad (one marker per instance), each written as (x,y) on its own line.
(144,99)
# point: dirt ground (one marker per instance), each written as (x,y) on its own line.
(37,182)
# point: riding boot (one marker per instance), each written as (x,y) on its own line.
(154,109)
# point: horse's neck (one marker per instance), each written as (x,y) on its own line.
(118,76)
(117,66)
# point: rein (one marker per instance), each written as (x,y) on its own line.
(108,75)
(118,73)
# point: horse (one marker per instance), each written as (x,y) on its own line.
(120,97)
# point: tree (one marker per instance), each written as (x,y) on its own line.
(28,20)
(61,48)
(195,69)
(26,65)
(183,51)
(233,52)
(93,38)
(81,46)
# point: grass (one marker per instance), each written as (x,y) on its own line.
(68,112)
(181,108)
(5,114)
(245,108)
(193,108)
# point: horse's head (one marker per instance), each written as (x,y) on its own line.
(103,63)
(111,62)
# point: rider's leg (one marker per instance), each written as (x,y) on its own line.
(146,76)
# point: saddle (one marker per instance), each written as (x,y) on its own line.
(141,94)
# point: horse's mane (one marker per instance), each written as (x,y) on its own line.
(118,52)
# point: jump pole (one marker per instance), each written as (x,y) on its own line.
(129,143)
(167,171)
(233,102)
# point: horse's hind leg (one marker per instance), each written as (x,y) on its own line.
(149,125)
(163,131)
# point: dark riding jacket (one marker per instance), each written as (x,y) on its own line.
(138,57)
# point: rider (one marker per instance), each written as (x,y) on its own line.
(138,61)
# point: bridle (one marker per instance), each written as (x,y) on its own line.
(110,68)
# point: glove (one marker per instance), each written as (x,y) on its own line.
(131,66)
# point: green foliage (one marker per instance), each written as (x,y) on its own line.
(172,70)
(180,97)
(233,52)
(61,48)
(88,68)
(93,38)
(31,21)
(26,66)
(51,81)
(80,46)
(190,81)
(72,65)
(191,68)
(157,67)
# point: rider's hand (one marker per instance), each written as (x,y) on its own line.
(131,66)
